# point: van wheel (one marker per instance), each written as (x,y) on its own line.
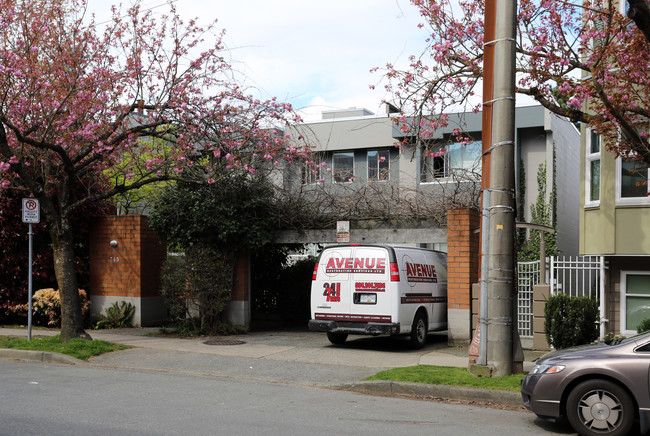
(419,330)
(337,338)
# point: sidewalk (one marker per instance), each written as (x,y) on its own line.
(284,356)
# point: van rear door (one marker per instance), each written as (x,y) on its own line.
(372,300)
(331,293)
(351,285)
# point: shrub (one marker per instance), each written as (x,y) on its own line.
(46,305)
(570,321)
(118,315)
(197,288)
(644,326)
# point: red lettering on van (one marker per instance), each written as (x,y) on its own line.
(421,273)
(370,286)
(332,292)
(356,265)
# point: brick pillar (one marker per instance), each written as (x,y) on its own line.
(238,311)
(126,256)
(462,271)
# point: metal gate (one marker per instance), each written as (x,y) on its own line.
(575,276)
(579,276)
(527,277)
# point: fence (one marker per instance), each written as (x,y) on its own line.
(527,277)
(577,276)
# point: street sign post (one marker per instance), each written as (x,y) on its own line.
(31,215)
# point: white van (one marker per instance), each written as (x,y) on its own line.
(377,289)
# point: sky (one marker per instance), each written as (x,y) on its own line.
(314,54)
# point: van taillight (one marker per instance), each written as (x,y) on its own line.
(394,272)
(313,276)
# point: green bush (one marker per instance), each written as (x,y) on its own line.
(117,315)
(197,288)
(644,326)
(570,321)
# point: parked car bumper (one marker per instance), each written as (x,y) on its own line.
(354,328)
(539,396)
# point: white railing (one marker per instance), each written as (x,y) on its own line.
(578,276)
(527,277)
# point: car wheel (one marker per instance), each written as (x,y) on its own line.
(337,338)
(419,330)
(600,407)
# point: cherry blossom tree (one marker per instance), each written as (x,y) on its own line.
(583,60)
(142,99)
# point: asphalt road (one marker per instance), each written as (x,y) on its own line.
(49,399)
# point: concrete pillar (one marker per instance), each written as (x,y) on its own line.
(540,295)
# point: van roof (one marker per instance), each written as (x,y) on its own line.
(381,246)
(391,248)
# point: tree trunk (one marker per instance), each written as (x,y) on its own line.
(639,12)
(66,277)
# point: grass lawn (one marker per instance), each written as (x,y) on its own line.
(446,375)
(79,348)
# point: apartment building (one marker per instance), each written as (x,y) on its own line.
(614,217)
(360,163)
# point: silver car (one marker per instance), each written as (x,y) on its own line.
(602,389)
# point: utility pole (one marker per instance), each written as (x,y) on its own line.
(486,139)
(501,231)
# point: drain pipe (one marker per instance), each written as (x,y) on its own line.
(483,302)
(603,319)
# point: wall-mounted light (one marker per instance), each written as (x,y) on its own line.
(113,243)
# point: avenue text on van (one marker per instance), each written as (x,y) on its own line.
(379,290)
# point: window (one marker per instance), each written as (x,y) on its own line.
(378,165)
(635,299)
(343,164)
(631,182)
(455,159)
(592,183)
(313,172)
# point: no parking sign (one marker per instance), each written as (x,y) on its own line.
(31,211)
(31,215)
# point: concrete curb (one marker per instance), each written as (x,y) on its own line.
(39,356)
(459,393)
